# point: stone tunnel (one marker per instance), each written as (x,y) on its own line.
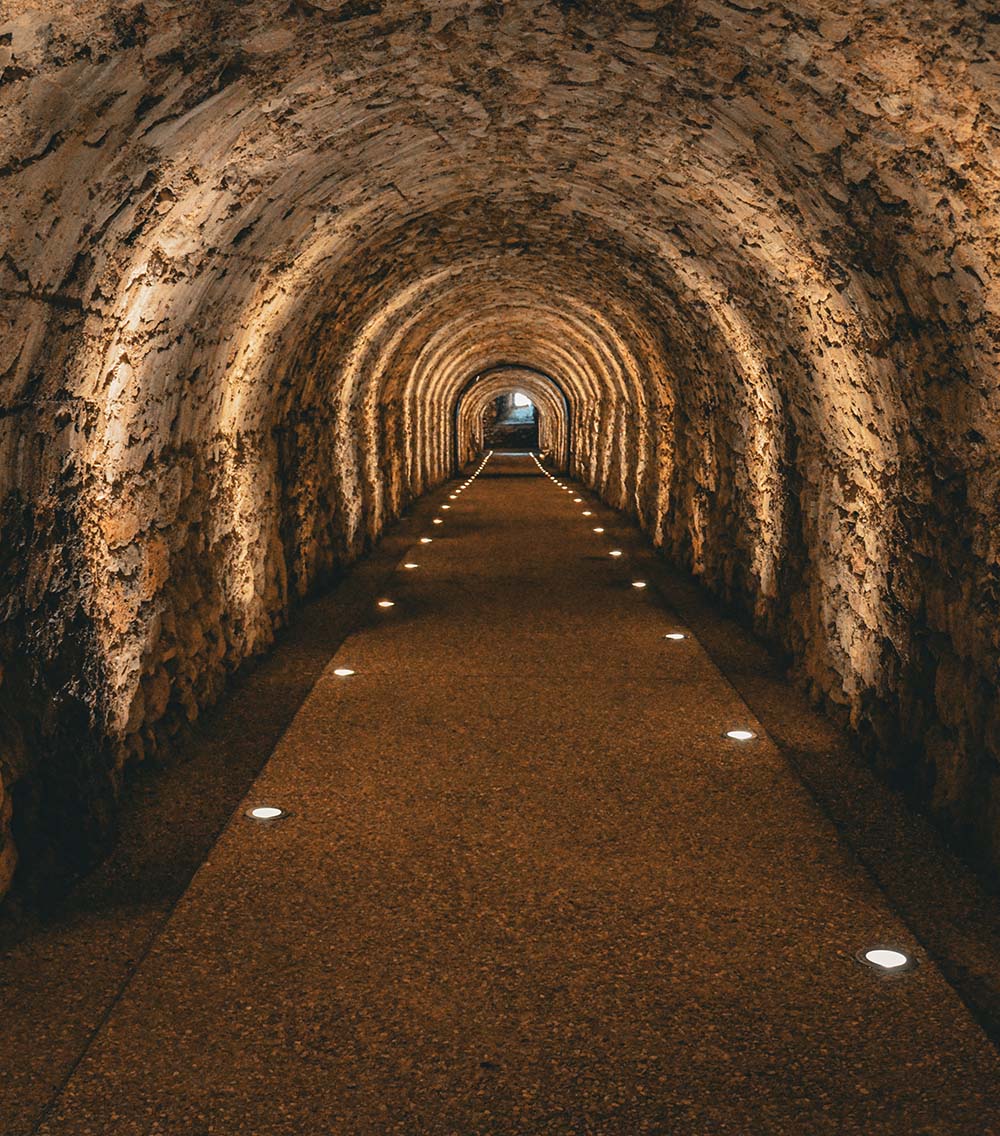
(266,262)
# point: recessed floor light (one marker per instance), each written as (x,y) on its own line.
(266,812)
(638,583)
(577,500)
(386,603)
(598,529)
(426,539)
(740,735)
(675,635)
(438,521)
(411,564)
(615,552)
(445,506)
(452,496)
(343,672)
(886,958)
(588,513)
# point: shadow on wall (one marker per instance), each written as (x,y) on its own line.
(58,813)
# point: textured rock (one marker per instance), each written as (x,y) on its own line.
(255,252)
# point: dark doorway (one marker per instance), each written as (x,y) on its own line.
(510,422)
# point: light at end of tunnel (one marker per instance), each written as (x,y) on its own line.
(675,635)
(386,603)
(343,672)
(886,958)
(266,812)
(599,529)
(615,552)
(426,539)
(740,735)
(638,583)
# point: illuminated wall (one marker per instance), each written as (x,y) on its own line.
(255,254)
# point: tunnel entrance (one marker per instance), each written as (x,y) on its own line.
(510,422)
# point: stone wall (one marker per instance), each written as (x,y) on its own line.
(255,250)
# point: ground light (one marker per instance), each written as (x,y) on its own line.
(386,603)
(740,735)
(266,812)
(675,635)
(589,513)
(343,672)
(438,521)
(411,564)
(638,583)
(577,500)
(615,552)
(598,529)
(445,506)
(426,539)
(886,958)
(452,496)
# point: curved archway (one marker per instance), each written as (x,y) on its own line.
(548,397)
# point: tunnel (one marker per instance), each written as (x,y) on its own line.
(274,272)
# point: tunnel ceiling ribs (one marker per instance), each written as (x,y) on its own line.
(256,252)
(547,396)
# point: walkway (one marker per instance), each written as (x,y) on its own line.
(527,886)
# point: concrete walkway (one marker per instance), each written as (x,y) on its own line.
(527,886)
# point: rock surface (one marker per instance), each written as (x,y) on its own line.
(254,252)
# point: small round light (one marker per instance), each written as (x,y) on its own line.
(598,529)
(615,552)
(386,603)
(886,959)
(438,521)
(587,513)
(577,500)
(343,672)
(266,812)
(675,635)
(452,496)
(426,539)
(411,564)
(638,583)
(740,735)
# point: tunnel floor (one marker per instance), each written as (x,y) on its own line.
(526,885)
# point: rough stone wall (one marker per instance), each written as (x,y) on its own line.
(254,251)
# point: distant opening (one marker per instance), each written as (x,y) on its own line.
(510,422)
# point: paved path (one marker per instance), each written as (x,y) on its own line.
(527,886)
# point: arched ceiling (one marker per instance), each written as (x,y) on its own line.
(258,248)
(548,398)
